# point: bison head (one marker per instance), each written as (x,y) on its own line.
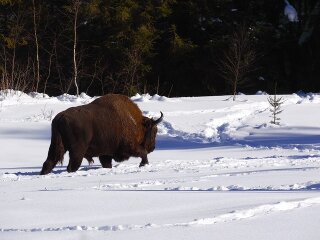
(151,132)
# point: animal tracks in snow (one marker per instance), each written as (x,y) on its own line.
(236,215)
(258,211)
(199,169)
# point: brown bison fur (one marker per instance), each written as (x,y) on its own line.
(110,127)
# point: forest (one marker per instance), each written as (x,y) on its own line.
(165,47)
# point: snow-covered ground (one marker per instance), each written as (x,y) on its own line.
(220,171)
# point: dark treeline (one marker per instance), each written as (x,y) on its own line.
(169,47)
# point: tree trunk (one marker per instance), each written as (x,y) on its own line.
(37,46)
(76,5)
(310,24)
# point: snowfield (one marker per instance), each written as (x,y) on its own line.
(220,171)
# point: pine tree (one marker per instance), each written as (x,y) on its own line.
(275,109)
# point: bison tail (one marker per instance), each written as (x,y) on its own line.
(56,151)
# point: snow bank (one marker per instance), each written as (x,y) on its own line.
(147,98)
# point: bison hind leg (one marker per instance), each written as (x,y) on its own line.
(75,160)
(106,161)
(55,155)
(47,166)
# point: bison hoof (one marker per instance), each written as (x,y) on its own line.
(143,164)
(43,172)
(71,169)
(107,166)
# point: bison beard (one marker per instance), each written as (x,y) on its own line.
(111,127)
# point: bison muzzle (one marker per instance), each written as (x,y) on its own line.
(110,127)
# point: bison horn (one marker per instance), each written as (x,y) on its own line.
(155,122)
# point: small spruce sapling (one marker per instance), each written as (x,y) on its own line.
(275,109)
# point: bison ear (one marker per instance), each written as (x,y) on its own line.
(147,122)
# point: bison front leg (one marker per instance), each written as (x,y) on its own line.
(106,161)
(144,158)
(144,161)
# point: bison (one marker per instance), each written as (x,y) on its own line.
(110,127)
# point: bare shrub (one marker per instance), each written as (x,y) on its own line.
(238,59)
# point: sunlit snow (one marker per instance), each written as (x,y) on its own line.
(220,170)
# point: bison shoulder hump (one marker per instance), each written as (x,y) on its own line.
(120,104)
